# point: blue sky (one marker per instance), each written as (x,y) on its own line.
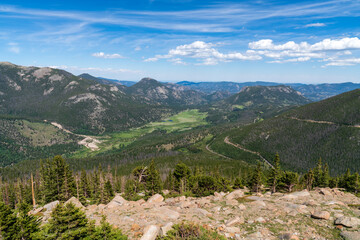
(176,40)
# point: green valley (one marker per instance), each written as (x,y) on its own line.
(182,121)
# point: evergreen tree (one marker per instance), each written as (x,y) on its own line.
(8,223)
(275,174)
(105,232)
(181,174)
(169,181)
(326,176)
(289,180)
(84,185)
(256,180)
(28,225)
(67,222)
(318,174)
(153,181)
(108,192)
(309,179)
(238,183)
(130,189)
(68,188)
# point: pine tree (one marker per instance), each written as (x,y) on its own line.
(238,183)
(105,232)
(181,174)
(153,181)
(130,189)
(68,188)
(318,174)
(256,180)
(169,181)
(309,178)
(29,225)
(326,176)
(108,192)
(84,188)
(8,223)
(275,174)
(67,222)
(289,180)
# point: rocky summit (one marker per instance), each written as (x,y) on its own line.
(318,214)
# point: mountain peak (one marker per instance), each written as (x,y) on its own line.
(148,80)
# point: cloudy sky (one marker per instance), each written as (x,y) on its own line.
(175,40)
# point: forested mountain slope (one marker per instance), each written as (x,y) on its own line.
(255,103)
(326,129)
(81,105)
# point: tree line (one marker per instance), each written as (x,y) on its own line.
(55,181)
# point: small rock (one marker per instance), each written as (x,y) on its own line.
(232,202)
(36,211)
(234,221)
(242,207)
(165,192)
(260,220)
(350,222)
(135,227)
(51,206)
(117,201)
(288,236)
(325,192)
(232,229)
(350,235)
(321,215)
(258,204)
(156,199)
(150,232)
(75,201)
(235,194)
(167,227)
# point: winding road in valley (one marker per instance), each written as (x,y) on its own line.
(322,122)
(227,141)
(220,155)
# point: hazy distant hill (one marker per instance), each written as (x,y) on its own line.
(314,92)
(325,129)
(255,103)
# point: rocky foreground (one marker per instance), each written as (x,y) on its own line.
(319,214)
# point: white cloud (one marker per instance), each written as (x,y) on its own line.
(343,62)
(154,59)
(315,25)
(109,56)
(204,52)
(324,45)
(94,69)
(137,48)
(14,48)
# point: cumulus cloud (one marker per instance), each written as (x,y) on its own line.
(304,51)
(324,45)
(109,56)
(204,52)
(330,50)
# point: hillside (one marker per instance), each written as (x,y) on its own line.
(150,91)
(81,105)
(25,139)
(325,129)
(255,103)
